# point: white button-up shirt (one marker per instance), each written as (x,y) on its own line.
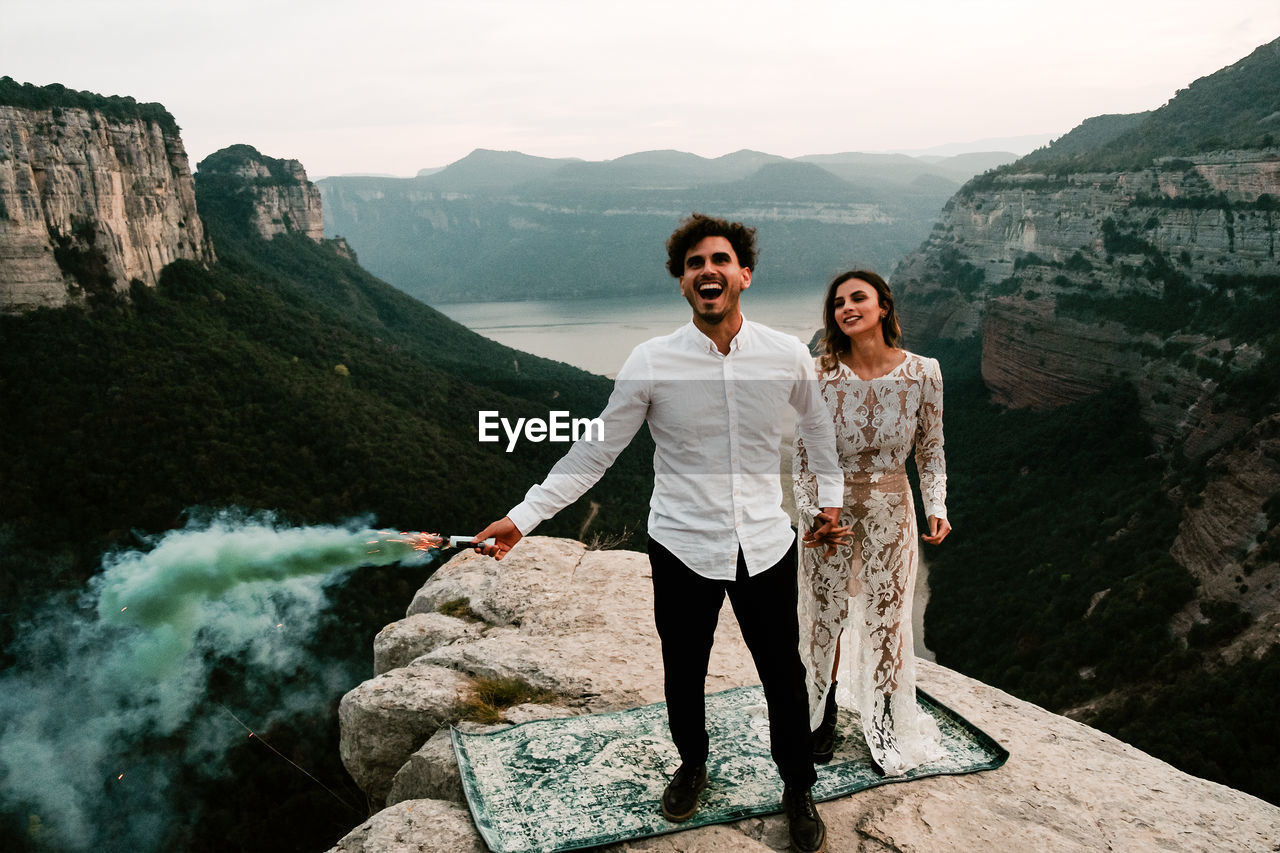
(716,422)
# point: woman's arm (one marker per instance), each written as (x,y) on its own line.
(931,460)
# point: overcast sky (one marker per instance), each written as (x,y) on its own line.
(396,86)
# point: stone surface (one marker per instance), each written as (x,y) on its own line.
(384,720)
(400,642)
(573,621)
(431,773)
(74,179)
(413,827)
(1066,787)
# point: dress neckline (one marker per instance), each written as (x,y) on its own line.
(905,356)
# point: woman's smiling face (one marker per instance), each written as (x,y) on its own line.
(857,308)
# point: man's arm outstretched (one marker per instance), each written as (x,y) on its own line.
(580,468)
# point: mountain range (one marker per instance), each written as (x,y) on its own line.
(501,225)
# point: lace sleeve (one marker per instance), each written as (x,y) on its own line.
(931,462)
(805,486)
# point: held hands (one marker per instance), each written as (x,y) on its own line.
(827,531)
(505,536)
(938,530)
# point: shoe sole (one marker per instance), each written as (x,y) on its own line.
(821,847)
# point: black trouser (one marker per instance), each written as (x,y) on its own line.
(686,608)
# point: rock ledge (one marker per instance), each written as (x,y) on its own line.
(580,623)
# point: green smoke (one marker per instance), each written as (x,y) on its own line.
(95,688)
(170,590)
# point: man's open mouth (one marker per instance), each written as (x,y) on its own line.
(710,289)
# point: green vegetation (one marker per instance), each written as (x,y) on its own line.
(1219,724)
(961,274)
(491,696)
(219,388)
(460,608)
(225,162)
(1058,585)
(57,96)
(1090,134)
(1244,309)
(1009,597)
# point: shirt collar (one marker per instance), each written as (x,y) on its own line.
(700,342)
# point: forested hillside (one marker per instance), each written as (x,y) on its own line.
(284,378)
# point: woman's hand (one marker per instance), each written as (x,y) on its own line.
(938,530)
(827,531)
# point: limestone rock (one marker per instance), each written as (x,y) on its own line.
(415,826)
(384,720)
(1231,543)
(1066,787)
(577,622)
(90,203)
(1029,262)
(283,200)
(431,773)
(400,642)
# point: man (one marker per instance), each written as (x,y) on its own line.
(713,394)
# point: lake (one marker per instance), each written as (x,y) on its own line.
(598,334)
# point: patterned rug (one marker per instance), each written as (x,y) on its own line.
(579,782)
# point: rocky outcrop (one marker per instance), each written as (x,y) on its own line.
(1072,280)
(1230,539)
(580,623)
(281,199)
(1157,278)
(90,203)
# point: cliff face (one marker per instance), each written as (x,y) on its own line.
(579,623)
(89,203)
(1165,278)
(280,199)
(1072,281)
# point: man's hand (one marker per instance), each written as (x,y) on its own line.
(505,536)
(827,531)
(938,530)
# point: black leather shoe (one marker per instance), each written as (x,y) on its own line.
(680,800)
(824,737)
(808,832)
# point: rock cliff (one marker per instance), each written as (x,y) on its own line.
(1163,278)
(90,202)
(1076,281)
(280,198)
(578,623)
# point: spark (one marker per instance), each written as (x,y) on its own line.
(297,766)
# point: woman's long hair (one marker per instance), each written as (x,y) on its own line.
(834,341)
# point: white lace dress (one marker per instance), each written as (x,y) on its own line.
(866,588)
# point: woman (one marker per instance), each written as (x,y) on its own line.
(856,587)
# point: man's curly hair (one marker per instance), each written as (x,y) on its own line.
(692,230)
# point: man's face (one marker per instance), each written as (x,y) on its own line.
(713,279)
